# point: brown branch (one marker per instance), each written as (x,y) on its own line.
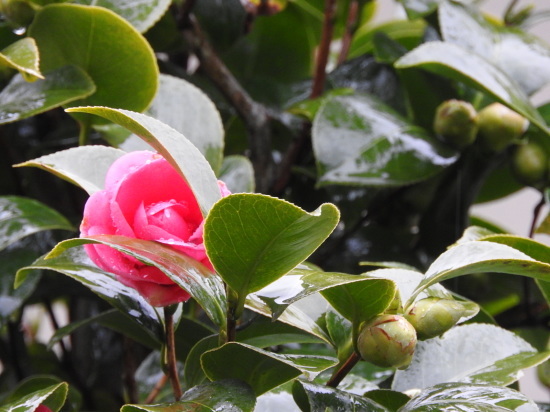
(156,390)
(171,362)
(351,25)
(253,114)
(341,373)
(324,49)
(536,214)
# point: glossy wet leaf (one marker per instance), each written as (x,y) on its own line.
(22,56)
(124,71)
(142,14)
(392,400)
(76,264)
(222,395)
(478,257)
(20,217)
(175,148)
(300,283)
(204,286)
(21,99)
(187,109)
(314,397)
(522,56)
(468,397)
(238,174)
(264,332)
(84,166)
(375,145)
(277,400)
(252,240)
(52,396)
(262,370)
(473,353)
(457,63)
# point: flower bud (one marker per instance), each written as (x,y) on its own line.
(499,126)
(455,123)
(433,316)
(387,341)
(530,164)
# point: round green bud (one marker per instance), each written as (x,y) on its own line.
(433,316)
(387,341)
(499,126)
(455,123)
(530,164)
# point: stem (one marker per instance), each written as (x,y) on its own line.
(84,134)
(536,214)
(341,373)
(171,353)
(509,10)
(234,308)
(156,390)
(324,48)
(351,24)
(55,324)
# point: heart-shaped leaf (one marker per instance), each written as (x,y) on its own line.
(223,395)
(477,257)
(21,99)
(22,56)
(238,174)
(141,14)
(175,148)
(183,106)
(76,264)
(84,166)
(20,217)
(205,287)
(262,370)
(374,144)
(474,353)
(454,62)
(124,71)
(468,397)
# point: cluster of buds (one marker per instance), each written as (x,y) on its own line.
(389,340)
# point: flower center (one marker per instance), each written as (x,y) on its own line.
(169,217)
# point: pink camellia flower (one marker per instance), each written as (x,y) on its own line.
(42,408)
(145,198)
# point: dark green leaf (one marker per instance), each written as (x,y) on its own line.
(375,146)
(84,166)
(224,395)
(20,99)
(192,373)
(392,400)
(124,71)
(52,396)
(264,333)
(262,370)
(22,56)
(175,148)
(252,240)
(468,397)
(20,217)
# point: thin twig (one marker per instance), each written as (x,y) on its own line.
(156,390)
(185,10)
(171,361)
(55,324)
(351,24)
(536,214)
(324,49)
(341,373)
(509,10)
(253,114)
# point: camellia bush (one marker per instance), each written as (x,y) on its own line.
(264,205)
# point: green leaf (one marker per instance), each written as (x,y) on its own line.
(141,14)
(22,56)
(375,146)
(469,397)
(390,399)
(252,240)
(84,166)
(419,8)
(205,287)
(238,174)
(456,63)
(175,148)
(313,397)
(474,353)
(192,373)
(21,99)
(76,264)
(222,395)
(522,56)
(52,396)
(262,370)
(478,257)
(20,217)
(188,110)
(264,332)
(124,71)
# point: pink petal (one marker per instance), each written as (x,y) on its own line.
(126,164)
(156,294)
(97,213)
